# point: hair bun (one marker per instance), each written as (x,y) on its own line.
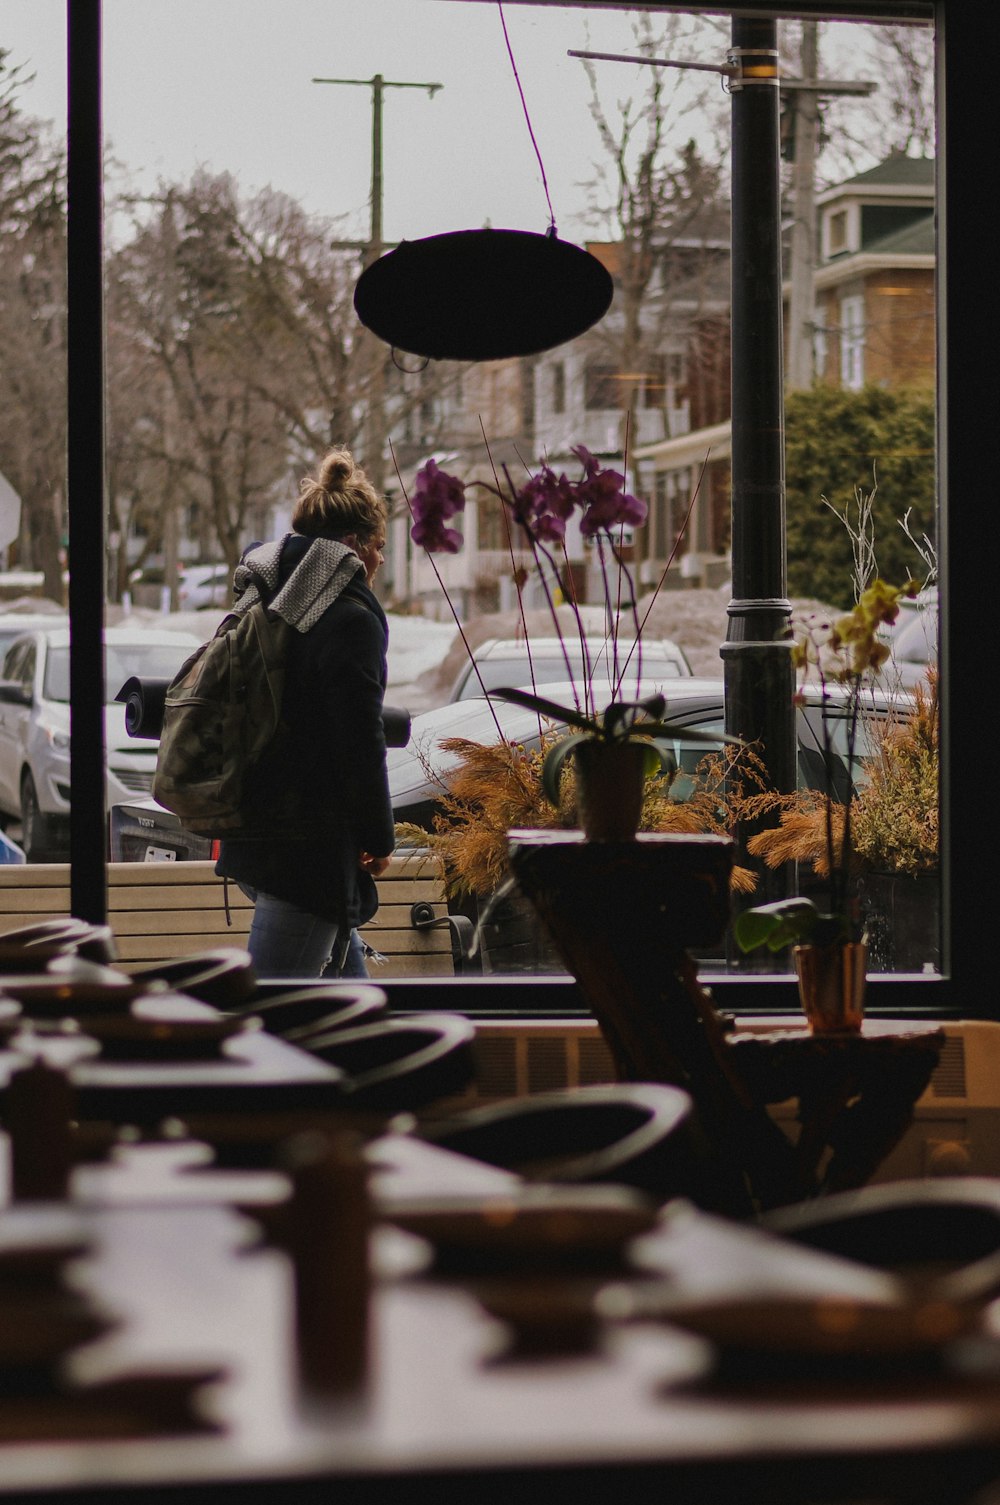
(336,469)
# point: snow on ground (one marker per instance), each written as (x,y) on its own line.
(417,647)
(694,619)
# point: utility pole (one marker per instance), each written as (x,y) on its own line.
(757,661)
(805,94)
(757,657)
(375,428)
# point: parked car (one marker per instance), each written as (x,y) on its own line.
(204,585)
(142,831)
(14,624)
(914,645)
(35,727)
(417,772)
(505,661)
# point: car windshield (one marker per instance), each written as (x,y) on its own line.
(121,661)
(549,670)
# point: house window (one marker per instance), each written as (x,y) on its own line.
(837,233)
(671,499)
(821,349)
(558,388)
(852,343)
(601,386)
(659,521)
(654,385)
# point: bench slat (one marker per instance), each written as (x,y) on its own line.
(162,910)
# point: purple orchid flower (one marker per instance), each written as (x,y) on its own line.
(436,497)
(603,499)
(543,505)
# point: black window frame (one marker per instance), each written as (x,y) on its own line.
(968,441)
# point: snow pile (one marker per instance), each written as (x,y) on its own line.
(426,656)
(416,647)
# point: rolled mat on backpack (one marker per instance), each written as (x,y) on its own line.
(144,702)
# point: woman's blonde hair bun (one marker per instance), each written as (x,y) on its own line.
(338,499)
(336,468)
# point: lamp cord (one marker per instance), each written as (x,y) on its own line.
(527,117)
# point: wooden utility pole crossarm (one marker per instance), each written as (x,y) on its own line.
(375,441)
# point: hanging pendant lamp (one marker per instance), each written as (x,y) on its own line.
(482,295)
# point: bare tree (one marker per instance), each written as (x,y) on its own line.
(898,116)
(32,328)
(194,301)
(661,178)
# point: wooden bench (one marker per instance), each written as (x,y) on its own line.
(160,910)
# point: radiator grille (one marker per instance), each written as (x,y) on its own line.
(949,1073)
(518,1063)
(547,1065)
(496,1067)
(595,1062)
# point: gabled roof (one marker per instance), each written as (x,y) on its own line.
(913,240)
(897,171)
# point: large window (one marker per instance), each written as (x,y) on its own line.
(149,233)
(852,342)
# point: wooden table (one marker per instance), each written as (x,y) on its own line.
(445,1418)
(255,1072)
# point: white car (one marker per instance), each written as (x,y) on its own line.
(14,624)
(204,585)
(915,646)
(417,773)
(35,727)
(506,661)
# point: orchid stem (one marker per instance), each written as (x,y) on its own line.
(447,597)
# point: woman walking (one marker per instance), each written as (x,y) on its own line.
(321,829)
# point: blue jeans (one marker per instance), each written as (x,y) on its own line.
(354,964)
(286,941)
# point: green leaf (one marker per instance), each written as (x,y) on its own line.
(658,759)
(786,922)
(546,708)
(621,716)
(553,765)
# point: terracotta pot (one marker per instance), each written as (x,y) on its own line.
(832,985)
(610,779)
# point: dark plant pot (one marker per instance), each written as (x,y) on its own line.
(610,779)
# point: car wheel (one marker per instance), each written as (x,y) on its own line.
(35,837)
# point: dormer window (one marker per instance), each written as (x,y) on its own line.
(838,232)
(840,229)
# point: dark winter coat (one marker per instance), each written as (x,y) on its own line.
(322,797)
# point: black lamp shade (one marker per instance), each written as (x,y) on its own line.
(482,295)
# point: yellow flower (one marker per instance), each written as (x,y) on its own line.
(858,630)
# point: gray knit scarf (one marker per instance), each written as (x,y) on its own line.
(314,584)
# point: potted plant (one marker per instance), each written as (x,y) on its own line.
(603,768)
(829,944)
(616,748)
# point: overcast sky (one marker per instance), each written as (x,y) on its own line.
(227,84)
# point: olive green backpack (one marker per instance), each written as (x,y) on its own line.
(222,712)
